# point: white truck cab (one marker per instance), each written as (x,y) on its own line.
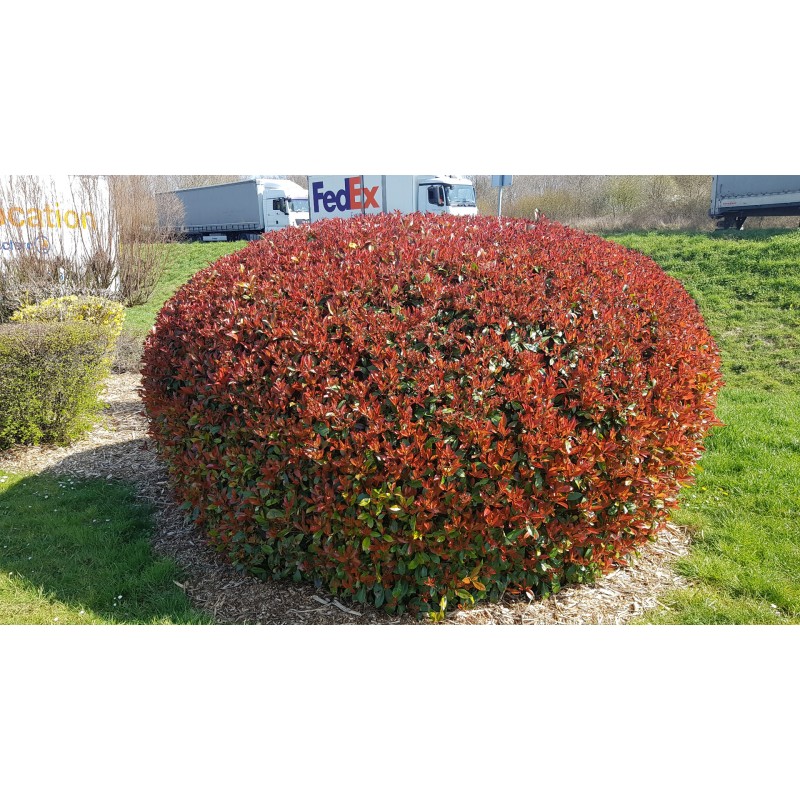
(446,194)
(285,203)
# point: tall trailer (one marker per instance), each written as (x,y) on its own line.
(734,198)
(238,210)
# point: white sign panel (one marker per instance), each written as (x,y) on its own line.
(65,216)
(502,180)
(344,195)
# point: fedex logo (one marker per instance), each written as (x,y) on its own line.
(354,196)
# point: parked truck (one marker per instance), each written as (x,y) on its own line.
(238,210)
(353,195)
(734,198)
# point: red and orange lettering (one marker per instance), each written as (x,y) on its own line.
(16,211)
(369,197)
(355,192)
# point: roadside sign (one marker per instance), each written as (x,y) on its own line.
(501,181)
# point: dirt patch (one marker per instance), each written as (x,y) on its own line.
(119,449)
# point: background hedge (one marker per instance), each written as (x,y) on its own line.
(54,358)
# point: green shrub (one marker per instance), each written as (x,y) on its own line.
(51,375)
(75,308)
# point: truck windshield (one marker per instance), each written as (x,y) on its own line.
(460,195)
(298,204)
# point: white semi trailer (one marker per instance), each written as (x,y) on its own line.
(353,195)
(734,198)
(239,210)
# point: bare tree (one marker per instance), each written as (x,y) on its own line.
(140,235)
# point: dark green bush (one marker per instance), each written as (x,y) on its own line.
(51,375)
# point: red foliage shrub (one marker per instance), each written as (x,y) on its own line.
(420,410)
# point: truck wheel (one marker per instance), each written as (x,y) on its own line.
(739,222)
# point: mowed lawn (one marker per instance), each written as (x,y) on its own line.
(182,261)
(744,509)
(78,552)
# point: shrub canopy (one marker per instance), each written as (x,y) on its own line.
(419,411)
(51,375)
(81,308)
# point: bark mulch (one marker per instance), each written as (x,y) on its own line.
(119,449)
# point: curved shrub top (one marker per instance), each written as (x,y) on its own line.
(420,411)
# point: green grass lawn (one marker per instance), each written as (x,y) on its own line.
(78,552)
(745,507)
(182,261)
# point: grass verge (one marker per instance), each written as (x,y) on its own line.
(744,507)
(183,259)
(78,552)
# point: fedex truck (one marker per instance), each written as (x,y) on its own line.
(66,217)
(238,210)
(352,195)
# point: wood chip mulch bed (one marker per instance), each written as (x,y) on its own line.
(119,449)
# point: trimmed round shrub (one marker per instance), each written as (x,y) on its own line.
(51,375)
(421,412)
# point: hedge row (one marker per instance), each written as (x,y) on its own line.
(419,412)
(76,308)
(53,360)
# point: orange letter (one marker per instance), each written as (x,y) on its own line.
(11,212)
(34,218)
(87,215)
(74,223)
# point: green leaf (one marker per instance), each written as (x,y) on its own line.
(321,428)
(380,595)
(365,544)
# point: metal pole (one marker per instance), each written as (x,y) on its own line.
(499,201)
